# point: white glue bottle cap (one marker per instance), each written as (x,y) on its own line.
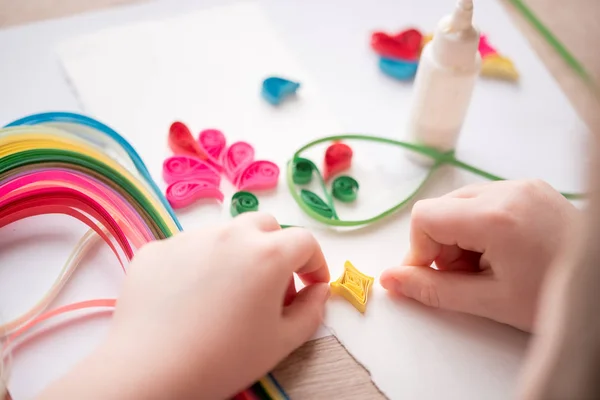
(456,40)
(448,69)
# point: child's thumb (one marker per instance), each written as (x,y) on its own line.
(450,290)
(304,315)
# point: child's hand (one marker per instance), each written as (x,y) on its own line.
(202,314)
(492,244)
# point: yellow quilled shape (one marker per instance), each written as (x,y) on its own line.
(354,286)
(426,39)
(497,66)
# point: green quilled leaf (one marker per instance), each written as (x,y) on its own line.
(316,203)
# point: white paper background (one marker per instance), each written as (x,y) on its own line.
(412,352)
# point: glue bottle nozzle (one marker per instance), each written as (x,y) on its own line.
(462,17)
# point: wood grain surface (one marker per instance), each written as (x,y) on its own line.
(323,369)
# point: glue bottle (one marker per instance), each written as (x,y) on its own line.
(444,83)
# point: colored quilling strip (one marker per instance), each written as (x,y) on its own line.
(181,141)
(184,193)
(338,158)
(399,53)
(213,143)
(354,286)
(275,89)
(426,39)
(398,69)
(181,167)
(303,170)
(499,67)
(485,49)
(243,202)
(260,175)
(345,189)
(316,204)
(493,64)
(405,45)
(236,158)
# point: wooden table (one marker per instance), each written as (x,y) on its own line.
(323,369)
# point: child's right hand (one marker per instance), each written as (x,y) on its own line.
(205,314)
(492,244)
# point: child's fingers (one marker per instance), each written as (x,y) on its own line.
(300,253)
(450,290)
(290,293)
(444,222)
(258,220)
(453,258)
(469,191)
(302,317)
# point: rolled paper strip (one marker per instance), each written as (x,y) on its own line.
(181,141)
(303,170)
(345,189)
(182,168)
(485,49)
(213,143)
(398,69)
(426,39)
(499,67)
(275,89)
(354,286)
(237,157)
(338,158)
(243,202)
(316,203)
(405,45)
(184,193)
(260,175)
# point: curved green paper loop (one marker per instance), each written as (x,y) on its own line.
(98,169)
(439,158)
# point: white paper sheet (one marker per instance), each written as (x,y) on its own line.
(205,68)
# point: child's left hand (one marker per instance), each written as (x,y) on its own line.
(202,314)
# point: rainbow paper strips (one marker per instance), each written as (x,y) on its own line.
(66,163)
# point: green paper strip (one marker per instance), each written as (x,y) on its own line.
(316,204)
(345,189)
(243,202)
(439,158)
(98,169)
(551,39)
(303,170)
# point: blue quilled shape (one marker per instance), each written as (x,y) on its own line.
(275,89)
(398,69)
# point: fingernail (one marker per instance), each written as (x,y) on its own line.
(387,281)
(392,284)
